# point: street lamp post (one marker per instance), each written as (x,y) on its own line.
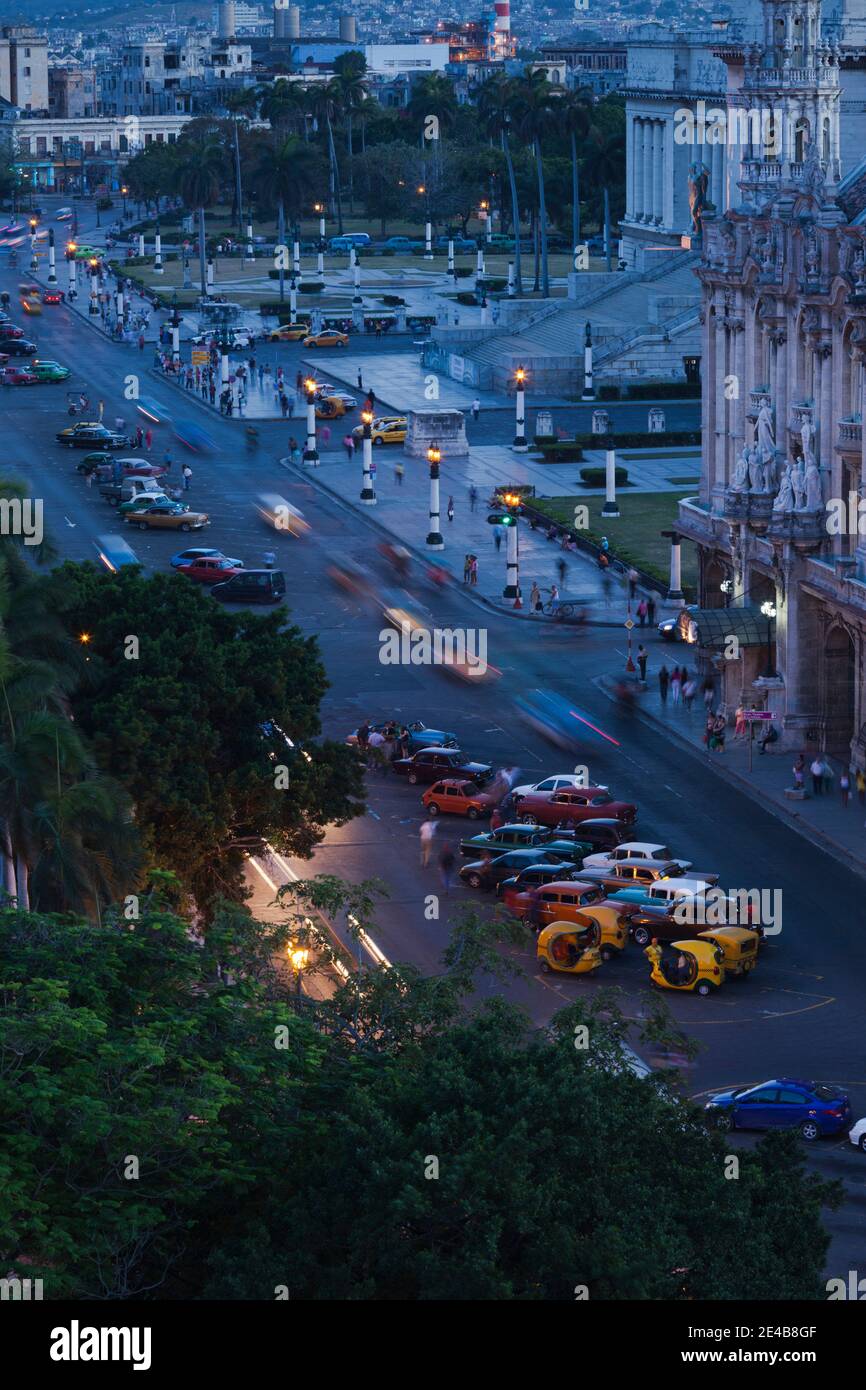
(52,268)
(520,411)
(769,611)
(451,258)
(611,506)
(588,388)
(675,590)
(357,298)
(118,302)
(157,253)
(175,331)
(93,308)
(123,192)
(434,535)
(368,492)
(71,248)
(293,301)
(34,259)
(320,255)
(296,255)
(512,550)
(311,453)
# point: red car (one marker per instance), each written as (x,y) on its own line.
(8,330)
(210,569)
(52,297)
(572,805)
(17,376)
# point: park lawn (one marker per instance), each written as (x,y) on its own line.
(635,535)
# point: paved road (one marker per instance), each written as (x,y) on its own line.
(801,1014)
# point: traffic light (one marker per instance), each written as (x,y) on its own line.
(502,519)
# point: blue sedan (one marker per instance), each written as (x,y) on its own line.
(810,1106)
(419,736)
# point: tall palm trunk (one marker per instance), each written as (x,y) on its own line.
(334,188)
(22,874)
(515,214)
(542,221)
(9,883)
(535,246)
(350,151)
(575,195)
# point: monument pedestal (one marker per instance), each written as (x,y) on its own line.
(444,428)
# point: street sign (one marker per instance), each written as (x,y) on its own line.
(629,624)
(749,715)
(199,357)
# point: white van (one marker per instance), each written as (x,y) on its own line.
(672,890)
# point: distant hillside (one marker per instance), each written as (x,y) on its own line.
(95,14)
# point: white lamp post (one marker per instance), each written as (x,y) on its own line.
(368,492)
(93,309)
(434,535)
(512,550)
(157,253)
(320,258)
(520,411)
(588,389)
(611,507)
(451,258)
(311,453)
(52,268)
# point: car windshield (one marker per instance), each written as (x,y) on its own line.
(601,800)
(827,1092)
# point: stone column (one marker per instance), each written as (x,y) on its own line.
(658,172)
(719,374)
(860,404)
(631,170)
(639,169)
(738,406)
(782,400)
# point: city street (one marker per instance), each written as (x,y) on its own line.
(800,1015)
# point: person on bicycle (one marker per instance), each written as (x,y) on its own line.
(252,435)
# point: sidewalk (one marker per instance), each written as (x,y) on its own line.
(837,829)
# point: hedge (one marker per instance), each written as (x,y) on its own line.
(393,299)
(462,272)
(652,391)
(639,439)
(597,477)
(562,452)
(466,297)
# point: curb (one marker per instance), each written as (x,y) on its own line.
(741,783)
(308,476)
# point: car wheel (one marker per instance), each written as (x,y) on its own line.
(863,1143)
(184,526)
(704,988)
(114,501)
(528,820)
(724,1121)
(544,966)
(342,345)
(142,526)
(474,880)
(412,779)
(810,1130)
(472,814)
(641,936)
(378,441)
(432,808)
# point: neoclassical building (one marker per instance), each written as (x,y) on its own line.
(784,372)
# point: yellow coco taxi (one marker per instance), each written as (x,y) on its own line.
(614,928)
(569,947)
(694,966)
(739,947)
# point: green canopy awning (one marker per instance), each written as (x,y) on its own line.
(712,627)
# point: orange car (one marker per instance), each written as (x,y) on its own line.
(459,798)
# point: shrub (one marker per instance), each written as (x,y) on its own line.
(466,297)
(596,477)
(104,204)
(495,286)
(312,287)
(565,451)
(393,299)
(640,439)
(608,393)
(463,272)
(663,390)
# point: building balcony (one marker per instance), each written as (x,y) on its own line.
(757,398)
(807,531)
(761,171)
(753,509)
(850,437)
(802,413)
(697,523)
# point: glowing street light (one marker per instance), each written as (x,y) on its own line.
(311,453)
(368,492)
(434,535)
(520,409)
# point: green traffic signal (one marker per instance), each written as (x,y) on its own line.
(501,519)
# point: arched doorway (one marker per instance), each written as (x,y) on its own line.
(839,691)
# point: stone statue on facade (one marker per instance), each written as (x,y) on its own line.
(785,498)
(806,433)
(814,491)
(846,251)
(798,482)
(765,432)
(756,469)
(813,177)
(699,182)
(811,254)
(858,265)
(740,481)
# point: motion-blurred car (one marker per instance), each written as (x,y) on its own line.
(388,429)
(289,333)
(351,578)
(63,215)
(280,515)
(167,516)
(810,1106)
(91,435)
(19,347)
(152,410)
(434,764)
(420,735)
(18,376)
(208,569)
(192,436)
(328,338)
(31,306)
(53,297)
(558,720)
(187,557)
(114,554)
(46,370)
(669,628)
(458,798)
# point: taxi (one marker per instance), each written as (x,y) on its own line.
(329,337)
(739,947)
(289,333)
(569,947)
(691,967)
(457,797)
(389,429)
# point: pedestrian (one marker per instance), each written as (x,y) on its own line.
(167,460)
(261,370)
(740,722)
(690,690)
(325,434)
(446,867)
(535,598)
(349,446)
(561,568)
(403,742)
(641,613)
(141,342)
(425,835)
(363,735)
(861,786)
(709,693)
(284,404)
(270,560)
(101,409)
(651,610)
(473,570)
(398,473)
(844,786)
(450,508)
(642,661)
(497,537)
(90,478)
(476,408)
(187,474)
(799,770)
(676,685)
(632,582)
(719,730)
(294,450)
(299,381)
(473,497)
(360,380)
(554,597)
(664,682)
(817,771)
(467,566)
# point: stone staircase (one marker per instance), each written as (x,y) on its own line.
(641,310)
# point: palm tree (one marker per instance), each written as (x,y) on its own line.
(350,78)
(433,95)
(283,105)
(494,107)
(573,113)
(290,174)
(324,103)
(534,118)
(199,180)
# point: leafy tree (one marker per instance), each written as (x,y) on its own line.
(192,726)
(290,173)
(534,118)
(386,179)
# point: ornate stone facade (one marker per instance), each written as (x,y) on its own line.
(784,371)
